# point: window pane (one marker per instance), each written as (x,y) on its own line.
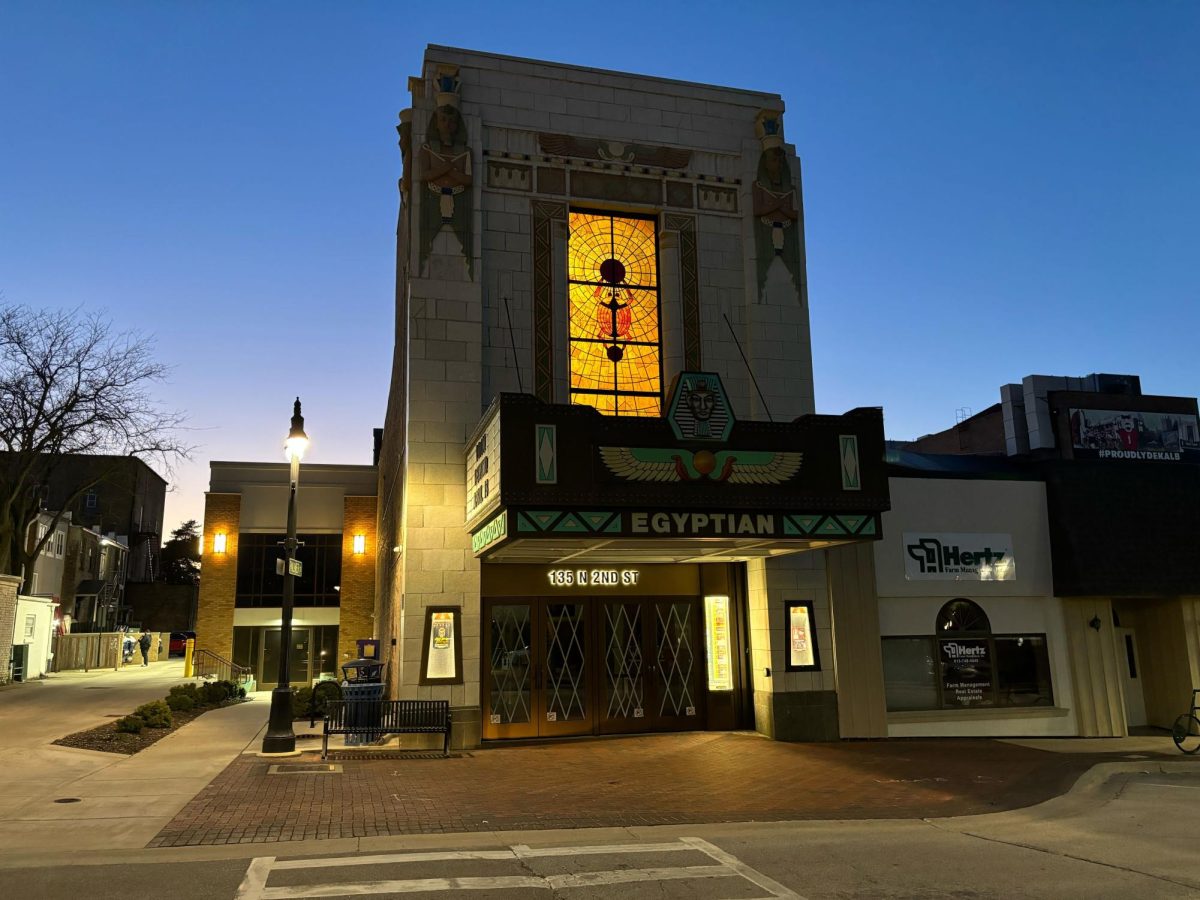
(613,314)
(909,673)
(1023,671)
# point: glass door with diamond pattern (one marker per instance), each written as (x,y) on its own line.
(624,705)
(537,674)
(676,663)
(563,669)
(508,672)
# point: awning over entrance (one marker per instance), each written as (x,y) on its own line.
(552,483)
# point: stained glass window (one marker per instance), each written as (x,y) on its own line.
(615,350)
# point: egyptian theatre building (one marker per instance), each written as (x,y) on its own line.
(610,504)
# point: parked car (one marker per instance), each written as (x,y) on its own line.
(179,641)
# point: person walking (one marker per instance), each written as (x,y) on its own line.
(144,645)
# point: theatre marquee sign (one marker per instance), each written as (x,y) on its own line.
(537,471)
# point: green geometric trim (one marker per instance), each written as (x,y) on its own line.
(852,523)
(869,528)
(571,523)
(551,521)
(831,526)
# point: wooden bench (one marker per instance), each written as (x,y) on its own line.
(377,718)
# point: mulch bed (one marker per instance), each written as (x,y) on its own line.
(107,739)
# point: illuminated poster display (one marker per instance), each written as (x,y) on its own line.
(716,629)
(801,641)
(443,650)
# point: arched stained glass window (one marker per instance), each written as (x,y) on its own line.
(615,349)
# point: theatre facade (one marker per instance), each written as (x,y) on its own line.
(607,503)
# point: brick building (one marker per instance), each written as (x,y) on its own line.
(239,608)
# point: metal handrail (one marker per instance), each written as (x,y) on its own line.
(205,663)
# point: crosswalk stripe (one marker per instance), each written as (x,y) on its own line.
(627,876)
(254,884)
(524,851)
(255,879)
(389,858)
(408,886)
(752,875)
(520,851)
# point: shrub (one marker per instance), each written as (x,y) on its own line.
(130,724)
(241,693)
(301,700)
(155,714)
(180,702)
(217,692)
(189,690)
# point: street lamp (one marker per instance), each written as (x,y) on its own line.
(280,738)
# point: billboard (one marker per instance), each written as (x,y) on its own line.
(1134,434)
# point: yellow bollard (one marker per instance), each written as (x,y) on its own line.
(187,657)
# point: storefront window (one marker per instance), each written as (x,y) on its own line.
(910,673)
(259,583)
(1023,667)
(964,666)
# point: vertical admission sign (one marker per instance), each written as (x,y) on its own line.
(800,623)
(716,627)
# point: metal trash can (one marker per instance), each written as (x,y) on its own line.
(362,709)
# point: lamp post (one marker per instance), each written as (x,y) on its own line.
(280,738)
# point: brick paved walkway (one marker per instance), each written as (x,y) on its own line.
(647,780)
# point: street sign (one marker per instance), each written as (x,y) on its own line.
(296,567)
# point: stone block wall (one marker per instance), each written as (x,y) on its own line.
(218,575)
(790,706)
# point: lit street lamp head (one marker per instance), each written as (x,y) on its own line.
(297,440)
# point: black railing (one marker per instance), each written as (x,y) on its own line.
(206,664)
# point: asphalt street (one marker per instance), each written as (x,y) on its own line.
(1133,836)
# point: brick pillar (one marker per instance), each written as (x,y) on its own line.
(218,574)
(9,585)
(357,597)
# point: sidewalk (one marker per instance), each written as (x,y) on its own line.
(121,801)
(629,782)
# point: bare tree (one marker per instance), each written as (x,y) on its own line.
(70,384)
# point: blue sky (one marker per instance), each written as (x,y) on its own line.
(991,189)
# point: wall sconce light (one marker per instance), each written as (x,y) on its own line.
(219,542)
(360,544)
(1095,623)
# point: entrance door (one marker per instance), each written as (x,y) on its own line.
(591,666)
(537,681)
(1131,677)
(299,664)
(624,681)
(677,663)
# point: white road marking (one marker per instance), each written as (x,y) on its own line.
(1186,787)
(255,882)
(626,876)
(254,885)
(410,886)
(389,858)
(752,875)
(524,851)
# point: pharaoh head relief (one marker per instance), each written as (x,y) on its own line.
(443,170)
(776,211)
